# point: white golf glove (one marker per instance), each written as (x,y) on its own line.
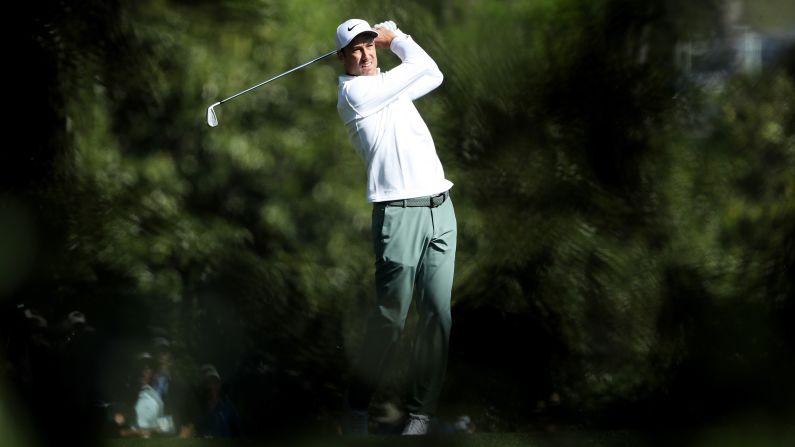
(391,26)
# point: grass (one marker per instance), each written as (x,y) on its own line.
(718,437)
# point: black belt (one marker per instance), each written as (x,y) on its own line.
(429,201)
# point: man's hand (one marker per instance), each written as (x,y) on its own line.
(384,39)
(386,32)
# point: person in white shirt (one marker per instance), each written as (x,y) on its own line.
(148,407)
(413,223)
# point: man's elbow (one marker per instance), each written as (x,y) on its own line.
(437,76)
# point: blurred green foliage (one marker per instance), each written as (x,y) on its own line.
(644,226)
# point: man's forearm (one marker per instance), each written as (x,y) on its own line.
(385,38)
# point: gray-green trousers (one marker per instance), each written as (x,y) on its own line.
(414,253)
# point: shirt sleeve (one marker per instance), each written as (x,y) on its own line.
(415,76)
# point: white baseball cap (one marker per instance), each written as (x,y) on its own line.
(208,370)
(76,317)
(350,29)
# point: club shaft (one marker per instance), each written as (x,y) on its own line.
(279,76)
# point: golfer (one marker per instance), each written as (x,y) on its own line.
(413,222)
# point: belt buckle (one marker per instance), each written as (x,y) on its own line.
(442,198)
(437,196)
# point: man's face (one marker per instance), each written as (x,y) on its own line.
(359,57)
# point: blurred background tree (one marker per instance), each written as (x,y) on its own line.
(626,230)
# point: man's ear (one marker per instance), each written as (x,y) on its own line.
(341,55)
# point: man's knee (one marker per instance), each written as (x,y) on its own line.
(391,320)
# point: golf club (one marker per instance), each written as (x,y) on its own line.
(212,120)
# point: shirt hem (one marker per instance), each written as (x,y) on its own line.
(403,196)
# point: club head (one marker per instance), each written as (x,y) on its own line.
(212,120)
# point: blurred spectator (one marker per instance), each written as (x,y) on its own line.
(162,378)
(179,400)
(32,371)
(79,351)
(149,407)
(219,417)
(253,390)
(149,410)
(36,362)
(37,355)
(80,400)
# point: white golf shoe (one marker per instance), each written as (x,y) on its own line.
(417,425)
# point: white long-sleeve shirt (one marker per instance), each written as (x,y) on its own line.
(387,130)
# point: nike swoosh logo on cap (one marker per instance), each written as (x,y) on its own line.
(354,26)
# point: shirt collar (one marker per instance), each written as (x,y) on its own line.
(346,77)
